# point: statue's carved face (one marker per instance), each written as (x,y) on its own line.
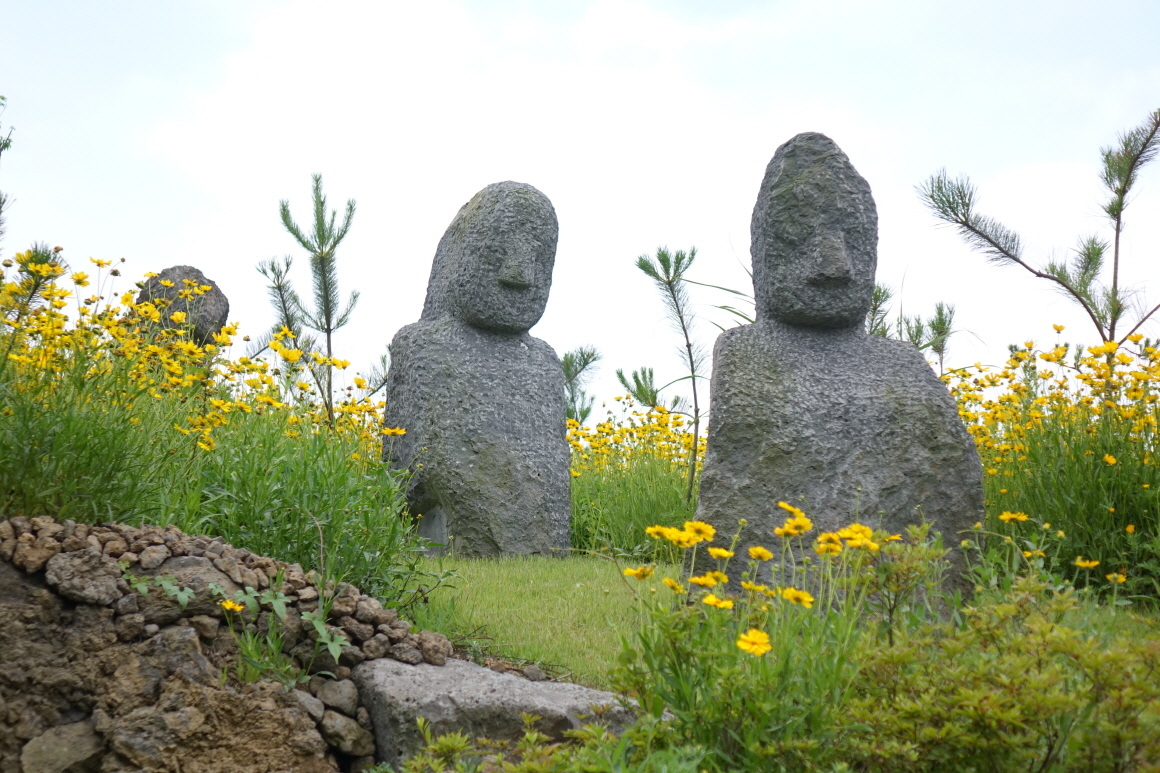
(505,272)
(815,238)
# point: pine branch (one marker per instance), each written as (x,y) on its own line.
(953,201)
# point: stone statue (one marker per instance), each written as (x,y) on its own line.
(808,408)
(482,402)
(207,311)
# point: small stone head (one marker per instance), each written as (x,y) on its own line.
(814,237)
(493,268)
(184,290)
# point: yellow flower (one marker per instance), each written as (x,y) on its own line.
(720,577)
(793,511)
(232,606)
(1115,577)
(1130,528)
(1058,328)
(1082,564)
(754,642)
(674,585)
(1109,459)
(758,553)
(856,531)
(166,282)
(705,581)
(720,553)
(640,573)
(1008,517)
(1135,338)
(795,596)
(965,543)
(100,263)
(701,530)
(713,601)
(794,526)
(829,543)
(360,383)
(178,317)
(1060,534)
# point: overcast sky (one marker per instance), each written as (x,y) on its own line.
(166,133)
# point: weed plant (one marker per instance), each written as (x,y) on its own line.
(1068,436)
(844,663)
(627,473)
(116,414)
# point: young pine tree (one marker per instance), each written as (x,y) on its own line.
(327,314)
(953,202)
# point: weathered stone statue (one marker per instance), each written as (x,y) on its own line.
(809,409)
(206,311)
(482,402)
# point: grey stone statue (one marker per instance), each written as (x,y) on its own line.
(809,409)
(207,313)
(482,402)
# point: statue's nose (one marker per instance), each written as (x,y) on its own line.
(518,270)
(831,262)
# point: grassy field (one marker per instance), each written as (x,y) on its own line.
(568,615)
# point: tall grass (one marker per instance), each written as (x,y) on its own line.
(1069,436)
(114,415)
(628,473)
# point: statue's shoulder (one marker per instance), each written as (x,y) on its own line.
(752,340)
(891,352)
(540,348)
(422,336)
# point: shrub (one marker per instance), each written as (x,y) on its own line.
(844,662)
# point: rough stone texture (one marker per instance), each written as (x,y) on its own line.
(405,653)
(152,556)
(85,576)
(153,705)
(481,400)
(806,407)
(377,646)
(207,313)
(311,705)
(194,572)
(346,735)
(462,696)
(71,748)
(339,695)
(32,552)
(436,647)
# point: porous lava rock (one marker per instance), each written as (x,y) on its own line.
(481,400)
(206,312)
(807,407)
(476,701)
(98,676)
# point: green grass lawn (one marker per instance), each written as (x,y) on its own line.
(566,614)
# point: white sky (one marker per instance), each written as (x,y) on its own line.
(166,133)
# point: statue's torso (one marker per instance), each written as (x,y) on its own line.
(485,430)
(846,426)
